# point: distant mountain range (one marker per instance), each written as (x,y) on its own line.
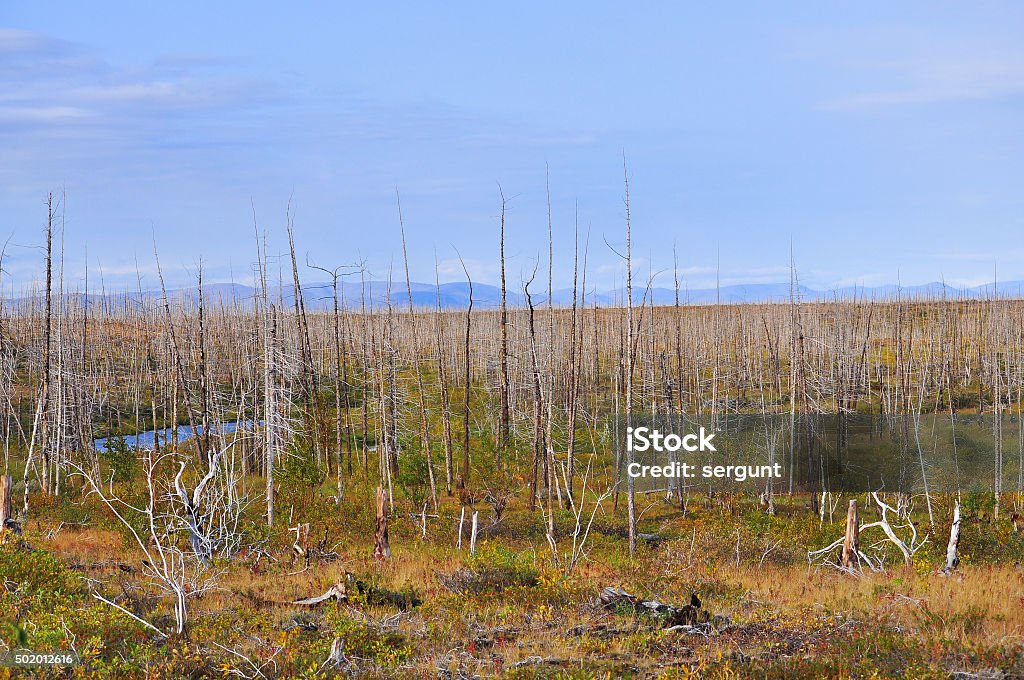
(352,295)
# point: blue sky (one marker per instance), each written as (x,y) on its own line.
(885,139)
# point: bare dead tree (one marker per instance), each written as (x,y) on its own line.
(169,569)
(341,398)
(503,428)
(442,383)
(582,524)
(424,425)
(572,388)
(539,439)
(630,481)
(464,478)
(179,368)
(204,381)
(552,481)
(42,411)
(300,311)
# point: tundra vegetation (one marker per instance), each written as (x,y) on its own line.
(421,492)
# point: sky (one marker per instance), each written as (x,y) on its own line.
(883,142)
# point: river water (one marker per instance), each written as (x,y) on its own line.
(145,440)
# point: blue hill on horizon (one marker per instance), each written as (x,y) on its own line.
(455,295)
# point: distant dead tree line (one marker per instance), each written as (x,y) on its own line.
(515,394)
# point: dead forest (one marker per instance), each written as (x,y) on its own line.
(407,460)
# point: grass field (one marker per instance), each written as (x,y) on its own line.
(434,610)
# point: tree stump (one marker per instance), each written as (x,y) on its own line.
(6,486)
(472,535)
(850,558)
(301,539)
(381,546)
(952,559)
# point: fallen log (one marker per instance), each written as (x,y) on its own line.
(687,615)
(339,591)
(353,590)
(539,661)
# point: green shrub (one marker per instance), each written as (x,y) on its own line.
(120,459)
(36,572)
(301,470)
(412,479)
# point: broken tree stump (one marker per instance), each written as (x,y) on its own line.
(301,539)
(952,559)
(6,512)
(381,546)
(851,541)
(472,535)
(462,520)
(337,656)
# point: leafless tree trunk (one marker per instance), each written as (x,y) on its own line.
(47,330)
(630,481)
(678,402)
(310,388)
(503,428)
(204,386)
(339,387)
(442,382)
(270,408)
(549,466)
(181,378)
(573,377)
(539,446)
(424,424)
(464,478)
(340,381)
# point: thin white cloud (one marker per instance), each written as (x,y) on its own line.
(932,74)
(17,41)
(450,270)
(47,82)
(944,85)
(133,91)
(42,114)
